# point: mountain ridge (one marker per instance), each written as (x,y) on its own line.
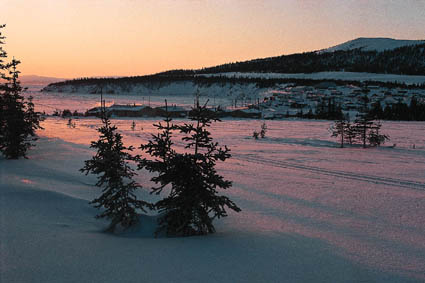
(39,80)
(379,44)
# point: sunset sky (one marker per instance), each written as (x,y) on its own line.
(76,38)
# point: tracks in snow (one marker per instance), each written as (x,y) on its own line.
(334,173)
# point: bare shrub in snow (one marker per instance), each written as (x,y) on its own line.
(263,130)
(261,133)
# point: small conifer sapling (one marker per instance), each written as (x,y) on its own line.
(375,138)
(115,177)
(339,129)
(263,130)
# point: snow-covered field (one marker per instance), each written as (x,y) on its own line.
(311,212)
(176,92)
(51,101)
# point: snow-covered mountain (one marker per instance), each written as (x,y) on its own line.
(370,44)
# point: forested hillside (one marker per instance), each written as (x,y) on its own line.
(407,60)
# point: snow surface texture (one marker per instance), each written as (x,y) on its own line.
(373,43)
(311,212)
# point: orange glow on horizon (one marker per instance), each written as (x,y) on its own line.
(79,38)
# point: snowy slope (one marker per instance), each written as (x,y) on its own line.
(369,44)
(228,90)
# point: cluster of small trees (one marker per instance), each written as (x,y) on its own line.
(18,119)
(365,130)
(189,177)
(261,133)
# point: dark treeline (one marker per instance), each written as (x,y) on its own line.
(326,109)
(415,111)
(162,79)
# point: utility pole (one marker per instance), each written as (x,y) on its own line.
(102,102)
(196,101)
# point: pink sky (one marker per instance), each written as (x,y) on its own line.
(75,38)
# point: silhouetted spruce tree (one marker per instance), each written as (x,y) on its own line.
(367,129)
(263,130)
(3,66)
(3,53)
(193,202)
(339,129)
(375,138)
(349,132)
(111,163)
(18,119)
(363,123)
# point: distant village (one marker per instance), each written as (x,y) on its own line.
(290,101)
(285,101)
